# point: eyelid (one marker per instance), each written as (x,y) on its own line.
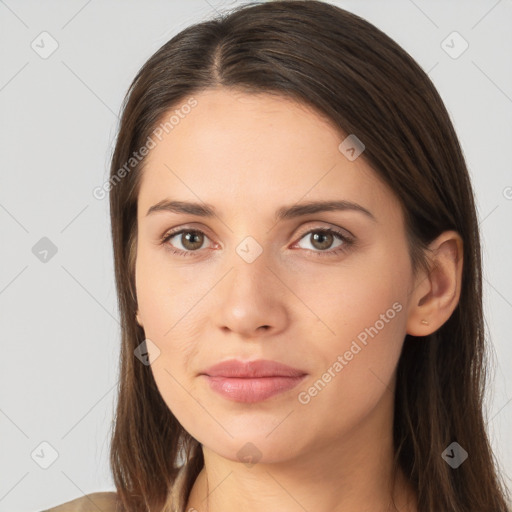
(329,227)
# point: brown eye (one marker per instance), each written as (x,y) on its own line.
(190,240)
(323,239)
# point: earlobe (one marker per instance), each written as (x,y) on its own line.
(138,319)
(437,291)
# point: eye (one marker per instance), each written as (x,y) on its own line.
(191,240)
(323,238)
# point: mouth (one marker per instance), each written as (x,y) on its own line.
(252,381)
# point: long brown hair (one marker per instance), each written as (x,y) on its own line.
(364,82)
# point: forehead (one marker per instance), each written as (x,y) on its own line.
(249,151)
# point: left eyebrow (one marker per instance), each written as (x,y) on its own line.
(297,210)
(283,213)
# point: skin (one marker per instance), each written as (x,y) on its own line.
(249,155)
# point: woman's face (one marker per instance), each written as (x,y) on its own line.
(333,305)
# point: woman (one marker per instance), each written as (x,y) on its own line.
(298,270)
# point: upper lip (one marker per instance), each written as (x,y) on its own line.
(254,369)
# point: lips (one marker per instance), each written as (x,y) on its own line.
(252,369)
(251,381)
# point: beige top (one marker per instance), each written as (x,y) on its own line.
(107,501)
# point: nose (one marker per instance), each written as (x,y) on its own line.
(251,300)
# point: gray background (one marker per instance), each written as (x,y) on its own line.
(59,319)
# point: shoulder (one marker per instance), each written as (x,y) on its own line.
(104,501)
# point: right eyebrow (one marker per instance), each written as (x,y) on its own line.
(199,209)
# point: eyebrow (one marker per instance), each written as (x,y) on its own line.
(283,213)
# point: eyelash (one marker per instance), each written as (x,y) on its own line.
(347,242)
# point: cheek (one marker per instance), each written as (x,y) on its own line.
(348,299)
(169,304)
(166,295)
(361,325)
(354,368)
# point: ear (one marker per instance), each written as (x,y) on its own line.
(437,292)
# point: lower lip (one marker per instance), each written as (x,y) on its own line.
(251,390)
